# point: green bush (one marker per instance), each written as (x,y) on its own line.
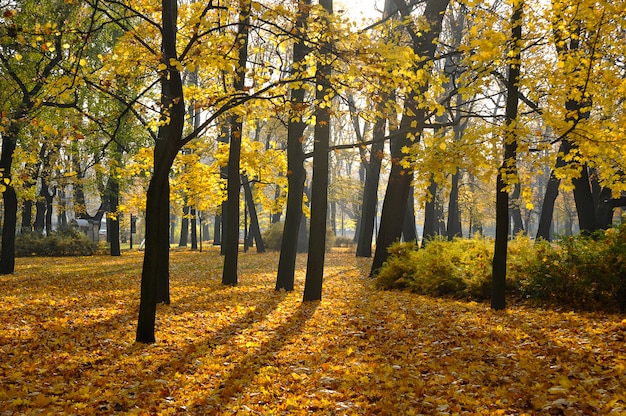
(272,237)
(581,272)
(343,241)
(64,242)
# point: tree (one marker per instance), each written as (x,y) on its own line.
(411,125)
(373,165)
(508,169)
(231,235)
(30,73)
(319,195)
(296,174)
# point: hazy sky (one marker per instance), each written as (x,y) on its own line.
(359,9)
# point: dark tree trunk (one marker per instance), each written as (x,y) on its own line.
(370,191)
(184,227)
(231,236)
(27,216)
(194,229)
(399,183)
(27,211)
(275,216)
(516,213)
(62,216)
(303,236)
(319,182)
(604,209)
(48,217)
(430,214)
(157,204)
(584,202)
(498,282)
(552,192)
(454,214)
(255,230)
(113,223)
(295,166)
(40,213)
(9,223)
(217,231)
(409,232)
(113,197)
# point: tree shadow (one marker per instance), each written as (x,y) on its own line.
(249,366)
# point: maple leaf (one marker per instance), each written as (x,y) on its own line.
(251,349)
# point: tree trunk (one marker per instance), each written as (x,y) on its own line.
(255,229)
(27,216)
(409,233)
(498,282)
(40,212)
(516,213)
(584,202)
(217,230)
(295,166)
(454,214)
(319,188)
(184,227)
(113,196)
(166,148)
(370,190)
(231,237)
(430,214)
(9,223)
(194,229)
(48,217)
(552,192)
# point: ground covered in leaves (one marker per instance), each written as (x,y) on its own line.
(67,346)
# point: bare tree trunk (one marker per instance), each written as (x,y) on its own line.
(295,166)
(454,215)
(498,283)
(231,240)
(319,188)
(157,203)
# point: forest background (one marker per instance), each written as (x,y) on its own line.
(503,116)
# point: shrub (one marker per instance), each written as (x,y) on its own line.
(272,237)
(64,242)
(581,272)
(343,241)
(461,268)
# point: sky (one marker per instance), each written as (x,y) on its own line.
(359,9)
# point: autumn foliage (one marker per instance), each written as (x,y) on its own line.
(583,272)
(67,346)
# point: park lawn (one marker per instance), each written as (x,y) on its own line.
(68,325)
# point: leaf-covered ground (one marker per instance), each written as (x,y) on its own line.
(67,332)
